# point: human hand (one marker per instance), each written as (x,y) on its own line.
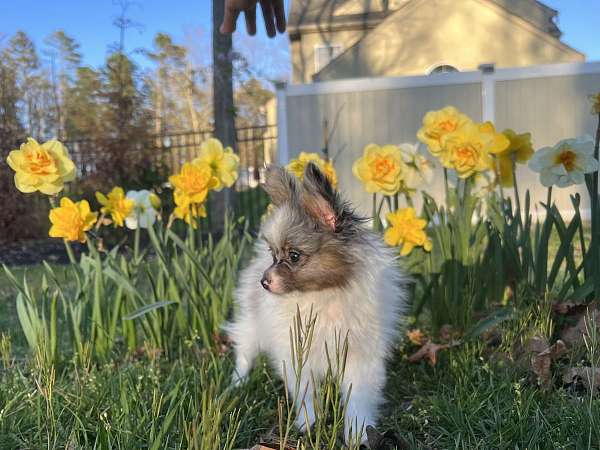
(273,14)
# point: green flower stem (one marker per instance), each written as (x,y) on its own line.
(70,253)
(447,189)
(136,243)
(388,200)
(517,196)
(377,225)
(595,243)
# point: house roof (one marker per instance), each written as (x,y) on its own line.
(317,14)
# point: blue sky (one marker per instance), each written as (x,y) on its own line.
(189,21)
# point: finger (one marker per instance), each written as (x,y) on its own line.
(279,15)
(267,10)
(229,20)
(251,21)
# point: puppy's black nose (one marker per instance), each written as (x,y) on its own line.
(265,282)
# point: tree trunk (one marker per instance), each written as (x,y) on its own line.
(223,106)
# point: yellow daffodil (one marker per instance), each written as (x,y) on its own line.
(380,169)
(519,150)
(186,209)
(71,220)
(406,230)
(595,103)
(223,162)
(566,163)
(297,166)
(437,124)
(194,181)
(45,168)
(116,204)
(469,148)
(191,186)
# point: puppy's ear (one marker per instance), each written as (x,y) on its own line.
(280,185)
(319,198)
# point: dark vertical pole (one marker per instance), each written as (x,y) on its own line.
(223,105)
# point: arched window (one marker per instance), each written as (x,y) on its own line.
(443,68)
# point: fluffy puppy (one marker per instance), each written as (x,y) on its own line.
(314,253)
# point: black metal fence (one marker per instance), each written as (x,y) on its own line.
(256,147)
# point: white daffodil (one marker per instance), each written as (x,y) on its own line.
(144,212)
(566,163)
(419,169)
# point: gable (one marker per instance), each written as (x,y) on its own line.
(427,33)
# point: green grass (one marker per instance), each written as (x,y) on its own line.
(147,401)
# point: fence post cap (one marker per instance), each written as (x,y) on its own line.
(487,68)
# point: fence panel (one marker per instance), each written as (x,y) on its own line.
(549,101)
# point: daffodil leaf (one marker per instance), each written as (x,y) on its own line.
(148,308)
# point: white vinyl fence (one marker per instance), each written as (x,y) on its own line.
(550,101)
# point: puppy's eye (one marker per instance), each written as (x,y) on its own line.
(294,256)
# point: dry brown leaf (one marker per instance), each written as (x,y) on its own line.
(416,336)
(588,376)
(429,350)
(541,356)
(574,334)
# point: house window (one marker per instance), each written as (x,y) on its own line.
(324,54)
(444,68)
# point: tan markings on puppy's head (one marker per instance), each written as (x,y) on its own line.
(308,234)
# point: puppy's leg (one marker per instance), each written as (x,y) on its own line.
(245,338)
(367,380)
(303,392)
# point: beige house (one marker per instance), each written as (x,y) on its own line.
(335,39)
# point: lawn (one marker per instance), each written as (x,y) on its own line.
(479,394)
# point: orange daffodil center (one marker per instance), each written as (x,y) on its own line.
(406,230)
(45,168)
(297,166)
(566,157)
(71,220)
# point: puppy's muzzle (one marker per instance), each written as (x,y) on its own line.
(266,283)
